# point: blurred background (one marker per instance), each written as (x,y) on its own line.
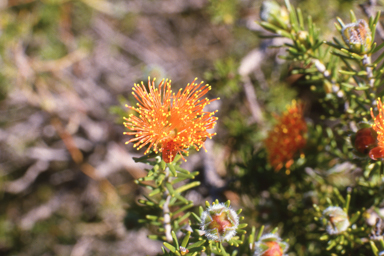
(67,68)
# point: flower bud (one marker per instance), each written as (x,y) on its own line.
(270,245)
(219,222)
(364,140)
(336,220)
(357,36)
(302,37)
(273,13)
(183,250)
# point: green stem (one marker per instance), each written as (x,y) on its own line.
(369,70)
(166,212)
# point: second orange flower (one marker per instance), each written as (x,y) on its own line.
(286,137)
(378,152)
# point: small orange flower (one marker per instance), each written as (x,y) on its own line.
(169,122)
(287,137)
(270,245)
(378,152)
(274,249)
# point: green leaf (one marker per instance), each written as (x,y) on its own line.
(186,176)
(311,27)
(151,217)
(182,218)
(142,201)
(186,239)
(317,45)
(175,239)
(362,88)
(154,192)
(197,244)
(374,248)
(340,21)
(349,86)
(268,26)
(260,233)
(170,189)
(331,244)
(172,169)
(196,217)
(338,42)
(162,165)
(301,20)
(241,231)
(181,198)
(353,17)
(362,73)
(355,217)
(160,179)
(288,5)
(185,207)
(284,33)
(146,178)
(377,17)
(156,223)
(170,247)
(346,205)
(188,186)
(178,168)
(293,19)
(338,195)
(346,72)
(201,210)
(242,225)
(279,21)
(145,158)
(251,237)
(153,237)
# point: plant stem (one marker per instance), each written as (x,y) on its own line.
(322,69)
(368,69)
(166,212)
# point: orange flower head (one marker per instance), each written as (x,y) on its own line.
(286,137)
(274,249)
(378,126)
(270,245)
(170,122)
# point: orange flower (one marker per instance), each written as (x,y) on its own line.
(169,122)
(287,137)
(378,152)
(274,249)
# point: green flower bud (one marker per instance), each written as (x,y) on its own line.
(357,36)
(302,37)
(336,220)
(183,250)
(219,222)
